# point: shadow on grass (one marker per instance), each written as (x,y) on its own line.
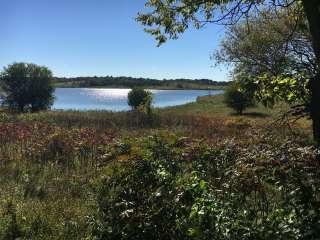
(252,114)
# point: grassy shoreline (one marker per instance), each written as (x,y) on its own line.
(206,108)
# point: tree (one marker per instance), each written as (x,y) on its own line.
(237,98)
(274,52)
(168,19)
(138,97)
(277,42)
(27,86)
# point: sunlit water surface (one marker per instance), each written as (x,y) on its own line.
(116,99)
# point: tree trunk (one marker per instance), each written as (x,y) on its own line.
(315,108)
(312,10)
(21,108)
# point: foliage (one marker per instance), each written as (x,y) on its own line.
(27,86)
(43,143)
(292,90)
(138,97)
(262,44)
(64,175)
(238,98)
(177,189)
(276,56)
(9,227)
(169,19)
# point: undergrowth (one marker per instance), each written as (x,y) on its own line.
(95,176)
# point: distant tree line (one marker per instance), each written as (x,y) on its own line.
(130,82)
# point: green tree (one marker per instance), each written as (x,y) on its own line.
(168,19)
(140,98)
(237,98)
(272,54)
(27,86)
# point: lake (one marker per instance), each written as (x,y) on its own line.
(116,99)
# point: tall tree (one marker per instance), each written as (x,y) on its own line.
(274,52)
(312,10)
(167,19)
(27,87)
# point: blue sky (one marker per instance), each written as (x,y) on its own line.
(101,37)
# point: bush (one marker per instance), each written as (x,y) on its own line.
(237,98)
(27,86)
(179,190)
(140,98)
(9,227)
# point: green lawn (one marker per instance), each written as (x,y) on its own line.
(214,106)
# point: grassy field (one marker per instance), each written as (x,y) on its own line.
(195,171)
(214,106)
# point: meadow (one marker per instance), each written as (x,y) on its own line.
(195,171)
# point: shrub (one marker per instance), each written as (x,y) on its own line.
(27,86)
(237,98)
(4,117)
(140,98)
(179,190)
(9,227)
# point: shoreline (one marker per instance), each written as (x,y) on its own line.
(145,87)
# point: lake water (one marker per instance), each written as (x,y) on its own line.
(116,99)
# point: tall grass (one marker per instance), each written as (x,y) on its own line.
(180,175)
